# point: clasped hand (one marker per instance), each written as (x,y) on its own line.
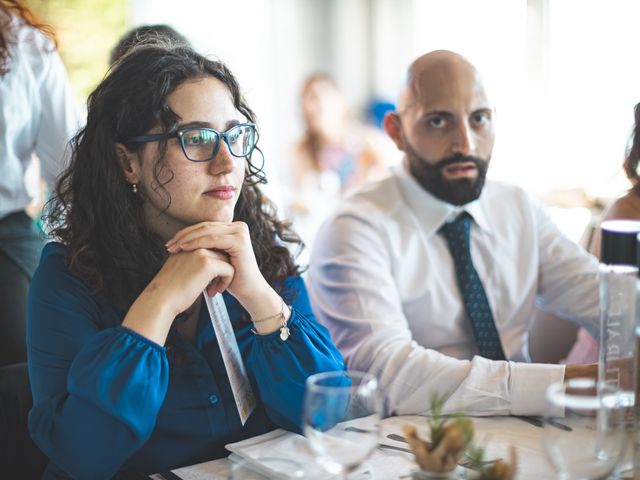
(215,256)
(211,256)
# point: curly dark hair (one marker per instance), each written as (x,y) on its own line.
(10,9)
(146,34)
(93,210)
(633,155)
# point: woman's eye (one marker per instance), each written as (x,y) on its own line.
(197,139)
(233,138)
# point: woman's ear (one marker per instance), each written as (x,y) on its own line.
(391,125)
(128,163)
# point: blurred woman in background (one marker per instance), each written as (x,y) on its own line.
(336,154)
(626,207)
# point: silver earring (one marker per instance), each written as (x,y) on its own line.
(134,187)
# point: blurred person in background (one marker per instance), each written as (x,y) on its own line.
(38,116)
(146,34)
(626,207)
(336,154)
(159,205)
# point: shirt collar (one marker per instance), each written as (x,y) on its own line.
(433,212)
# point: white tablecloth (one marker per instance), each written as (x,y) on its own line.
(496,434)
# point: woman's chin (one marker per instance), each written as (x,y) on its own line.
(225,217)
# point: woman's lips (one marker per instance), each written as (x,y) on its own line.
(222,193)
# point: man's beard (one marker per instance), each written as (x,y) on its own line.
(430,176)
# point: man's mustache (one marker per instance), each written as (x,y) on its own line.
(457,158)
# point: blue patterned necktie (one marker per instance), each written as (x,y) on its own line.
(475,300)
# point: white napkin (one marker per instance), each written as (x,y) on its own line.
(277,444)
(282,444)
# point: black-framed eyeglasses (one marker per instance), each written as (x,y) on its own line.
(201,144)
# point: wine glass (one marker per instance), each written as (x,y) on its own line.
(342,412)
(595,440)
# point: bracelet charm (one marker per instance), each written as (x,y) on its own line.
(285,333)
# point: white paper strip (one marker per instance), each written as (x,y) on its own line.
(240,385)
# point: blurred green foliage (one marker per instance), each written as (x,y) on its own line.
(86,31)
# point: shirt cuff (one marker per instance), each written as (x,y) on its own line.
(528,385)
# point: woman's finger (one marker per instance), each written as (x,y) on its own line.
(223,275)
(209,242)
(218,285)
(198,230)
(222,243)
(228,242)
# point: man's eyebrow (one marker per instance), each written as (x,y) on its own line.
(442,113)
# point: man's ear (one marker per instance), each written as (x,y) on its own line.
(128,163)
(391,125)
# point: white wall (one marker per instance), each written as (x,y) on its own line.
(562,73)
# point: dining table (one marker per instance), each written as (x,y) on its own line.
(499,435)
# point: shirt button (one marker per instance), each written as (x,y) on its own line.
(213,399)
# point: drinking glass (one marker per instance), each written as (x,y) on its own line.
(595,441)
(618,298)
(341,416)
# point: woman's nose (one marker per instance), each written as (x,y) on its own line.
(223,162)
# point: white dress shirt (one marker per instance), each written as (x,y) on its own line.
(37,115)
(382,280)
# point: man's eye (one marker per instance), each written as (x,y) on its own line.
(436,122)
(481,118)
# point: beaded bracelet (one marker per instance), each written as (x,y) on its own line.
(284,330)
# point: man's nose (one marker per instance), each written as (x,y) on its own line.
(464,141)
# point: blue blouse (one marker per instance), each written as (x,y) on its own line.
(108,399)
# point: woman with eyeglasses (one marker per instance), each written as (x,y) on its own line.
(167,260)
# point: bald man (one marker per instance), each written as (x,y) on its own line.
(429,278)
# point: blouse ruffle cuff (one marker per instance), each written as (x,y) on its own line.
(124,374)
(281,367)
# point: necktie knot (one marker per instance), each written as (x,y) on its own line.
(458,236)
(459,229)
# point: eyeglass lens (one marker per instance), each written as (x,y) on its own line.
(200,144)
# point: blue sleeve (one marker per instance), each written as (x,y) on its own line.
(96,392)
(280,368)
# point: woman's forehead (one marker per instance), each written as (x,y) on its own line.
(204,99)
